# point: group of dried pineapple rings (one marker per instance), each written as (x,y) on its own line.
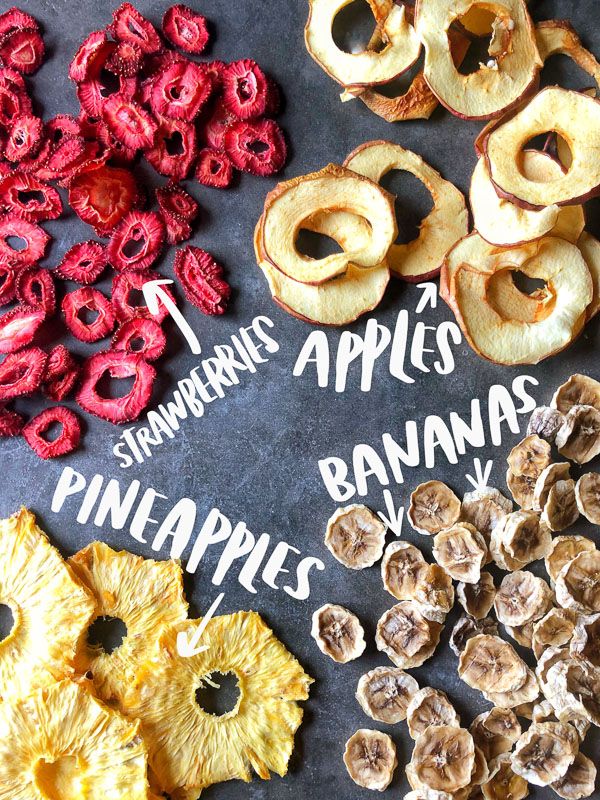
(559,620)
(126,723)
(348,204)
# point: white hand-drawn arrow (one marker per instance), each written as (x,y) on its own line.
(482,476)
(153,292)
(188,646)
(394,518)
(429,296)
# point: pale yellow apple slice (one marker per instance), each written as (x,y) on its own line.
(590,250)
(558,36)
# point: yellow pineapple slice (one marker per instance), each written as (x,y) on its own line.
(146,595)
(190,749)
(60,743)
(50,609)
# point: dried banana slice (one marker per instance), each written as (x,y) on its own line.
(481,772)
(355,536)
(546,480)
(338,633)
(585,641)
(555,629)
(587,495)
(522,489)
(561,510)
(435,593)
(524,710)
(477,599)
(461,551)
(406,636)
(494,732)
(488,663)
(444,758)
(519,539)
(466,628)
(522,598)
(430,707)
(384,694)
(579,781)
(522,634)
(402,568)
(579,390)
(545,752)
(484,508)
(545,422)
(579,436)
(573,687)
(517,698)
(543,712)
(550,657)
(578,583)
(370,758)
(563,550)
(529,457)
(433,508)
(504,784)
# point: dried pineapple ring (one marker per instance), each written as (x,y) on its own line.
(578,438)
(60,742)
(401,50)
(402,569)
(578,583)
(433,508)
(50,608)
(385,693)
(355,536)
(145,595)
(448,221)
(563,550)
(578,781)
(579,390)
(370,758)
(190,748)
(495,731)
(461,551)
(545,752)
(338,633)
(488,663)
(444,758)
(406,636)
(430,707)
(477,599)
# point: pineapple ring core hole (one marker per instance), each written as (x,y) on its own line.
(108,632)
(7,621)
(219,693)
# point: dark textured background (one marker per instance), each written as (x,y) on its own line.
(255,453)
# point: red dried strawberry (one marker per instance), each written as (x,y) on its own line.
(214,129)
(22,49)
(11,423)
(116,151)
(116,364)
(60,360)
(174,149)
(201,279)
(90,57)
(173,199)
(64,157)
(60,388)
(245,89)
(13,103)
(35,288)
(103,196)
(74,306)
(129,25)
(67,440)
(185,29)
(178,229)
(143,336)
(61,374)
(127,296)
(25,137)
(256,146)
(19,326)
(137,241)
(214,168)
(129,122)
(8,282)
(83,263)
(93,93)
(34,239)
(29,198)
(63,125)
(15,18)
(180,91)
(215,70)
(37,162)
(157,63)
(126,59)
(21,373)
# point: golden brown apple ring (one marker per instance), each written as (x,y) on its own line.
(497,86)
(447,222)
(558,36)
(401,50)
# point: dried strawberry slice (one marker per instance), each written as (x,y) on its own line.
(103,196)
(25,137)
(13,104)
(35,288)
(129,122)
(127,296)
(180,91)
(215,70)
(29,198)
(60,388)
(61,374)
(117,364)
(137,241)
(22,49)
(11,423)
(34,239)
(214,129)
(256,146)
(173,199)
(19,326)
(63,157)
(143,336)
(214,168)
(245,89)
(178,229)
(74,306)
(129,25)
(201,279)
(93,92)
(185,29)
(117,152)
(21,373)
(126,59)
(91,55)
(83,263)
(174,149)
(63,125)
(65,442)
(156,63)
(15,18)
(8,282)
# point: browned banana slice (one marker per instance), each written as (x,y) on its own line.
(338,633)
(384,694)
(545,752)
(545,712)
(522,489)
(488,663)
(587,494)
(561,510)
(529,457)
(430,707)
(585,642)
(495,731)
(522,598)
(461,551)
(484,508)
(519,539)
(546,480)
(435,593)
(402,567)
(477,599)
(433,508)
(579,436)
(444,758)
(550,657)
(573,687)
(555,629)
(355,536)
(563,550)
(522,634)
(579,781)
(504,784)
(579,390)
(578,583)
(370,758)
(466,628)
(481,772)
(516,698)
(406,636)
(545,423)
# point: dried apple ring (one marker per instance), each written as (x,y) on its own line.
(333,188)
(558,36)
(573,116)
(498,85)
(401,44)
(590,250)
(448,221)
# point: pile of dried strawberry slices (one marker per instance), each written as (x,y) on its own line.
(144,94)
